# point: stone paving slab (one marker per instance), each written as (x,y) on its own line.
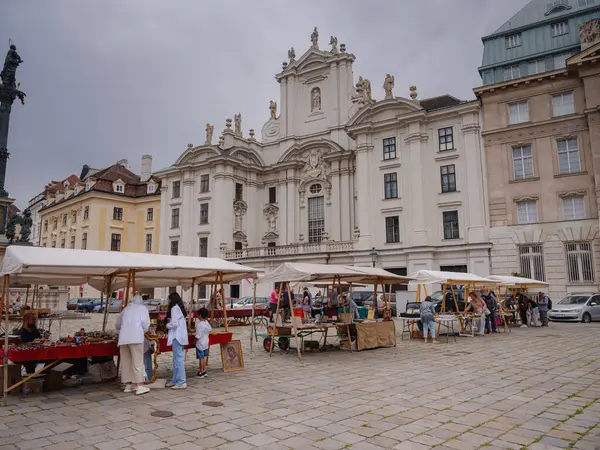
(531,389)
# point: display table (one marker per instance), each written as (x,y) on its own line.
(213,339)
(371,335)
(446,321)
(408,326)
(107,348)
(242,314)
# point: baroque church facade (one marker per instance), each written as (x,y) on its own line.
(335,175)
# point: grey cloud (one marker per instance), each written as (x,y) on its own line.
(112,79)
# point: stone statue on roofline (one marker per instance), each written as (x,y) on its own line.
(209,133)
(273,109)
(237,120)
(333,42)
(11,62)
(292,55)
(388,85)
(314,38)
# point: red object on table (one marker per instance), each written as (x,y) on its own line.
(108,348)
(213,339)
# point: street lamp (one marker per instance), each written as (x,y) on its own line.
(373,254)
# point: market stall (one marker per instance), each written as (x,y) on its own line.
(450,310)
(106,271)
(513,286)
(367,334)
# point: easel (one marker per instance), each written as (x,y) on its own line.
(213,299)
(274,328)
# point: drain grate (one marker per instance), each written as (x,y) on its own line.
(161,414)
(213,404)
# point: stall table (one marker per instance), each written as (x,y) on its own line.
(371,335)
(408,326)
(448,323)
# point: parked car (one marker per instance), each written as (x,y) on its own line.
(576,308)
(89,304)
(246,302)
(114,306)
(72,303)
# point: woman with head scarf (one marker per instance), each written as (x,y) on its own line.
(178,339)
(132,323)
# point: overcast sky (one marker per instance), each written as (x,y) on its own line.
(114,79)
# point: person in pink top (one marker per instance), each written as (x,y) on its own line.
(273,303)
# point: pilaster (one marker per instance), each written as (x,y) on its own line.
(475,228)
(364,194)
(414,142)
(187,216)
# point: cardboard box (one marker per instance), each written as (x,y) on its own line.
(53,381)
(14,375)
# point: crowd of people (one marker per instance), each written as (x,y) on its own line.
(486,309)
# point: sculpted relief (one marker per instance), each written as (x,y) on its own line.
(589,32)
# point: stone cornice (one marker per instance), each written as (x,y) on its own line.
(520,82)
(573,193)
(557,126)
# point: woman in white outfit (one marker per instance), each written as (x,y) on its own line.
(178,339)
(132,323)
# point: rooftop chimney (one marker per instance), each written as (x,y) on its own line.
(146,171)
(124,163)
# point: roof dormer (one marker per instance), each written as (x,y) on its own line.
(555,6)
(119,186)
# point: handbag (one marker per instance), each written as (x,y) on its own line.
(487,311)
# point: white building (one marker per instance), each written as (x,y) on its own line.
(335,174)
(34,206)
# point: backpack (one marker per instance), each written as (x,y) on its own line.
(549,303)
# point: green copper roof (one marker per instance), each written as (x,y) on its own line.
(540,10)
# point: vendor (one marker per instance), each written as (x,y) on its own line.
(29,332)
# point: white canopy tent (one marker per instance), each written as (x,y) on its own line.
(525,283)
(438,277)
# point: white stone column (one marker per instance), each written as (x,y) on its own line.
(345,200)
(473,180)
(286,109)
(416,210)
(187,217)
(363,188)
(290,210)
(164,218)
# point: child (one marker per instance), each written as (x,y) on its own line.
(148,363)
(202,331)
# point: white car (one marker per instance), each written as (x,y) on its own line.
(246,302)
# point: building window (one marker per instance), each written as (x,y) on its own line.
(175,218)
(72,242)
(562,104)
(204,183)
(174,248)
(560,61)
(84,241)
(202,291)
(316,219)
(117,213)
(448,176)
(560,29)
(574,208)
(203,213)
(115,242)
(522,162)
(518,112)
(568,156)
(586,2)
(54,223)
(176,189)
(512,72)
(514,40)
(527,212)
(450,219)
(203,247)
(62,243)
(86,213)
(531,259)
(53,244)
(390,182)
(315,188)
(64,220)
(119,188)
(74,217)
(537,66)
(389,148)
(392,230)
(149,214)
(239,191)
(150,189)
(45,225)
(580,262)
(446,139)
(273,194)
(237,245)
(148,242)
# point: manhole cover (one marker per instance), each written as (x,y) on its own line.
(161,414)
(213,404)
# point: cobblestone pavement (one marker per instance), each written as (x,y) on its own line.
(530,389)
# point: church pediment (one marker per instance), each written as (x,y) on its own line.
(246,156)
(384,110)
(196,155)
(589,55)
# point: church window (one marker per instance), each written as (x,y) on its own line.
(273,194)
(239,191)
(316,219)
(315,188)
(389,148)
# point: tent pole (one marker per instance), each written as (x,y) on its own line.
(6,325)
(133,281)
(294,325)
(126,299)
(108,280)
(223,302)
(275,318)
(35,291)
(444,298)
(252,320)
(27,294)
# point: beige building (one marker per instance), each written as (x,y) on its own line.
(111,209)
(542,148)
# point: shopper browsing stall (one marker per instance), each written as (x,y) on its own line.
(132,323)
(202,334)
(177,339)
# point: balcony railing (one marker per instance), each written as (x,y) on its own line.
(289,250)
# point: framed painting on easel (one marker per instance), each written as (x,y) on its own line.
(232,356)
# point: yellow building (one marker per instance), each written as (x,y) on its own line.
(111,209)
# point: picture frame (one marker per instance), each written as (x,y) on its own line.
(232,357)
